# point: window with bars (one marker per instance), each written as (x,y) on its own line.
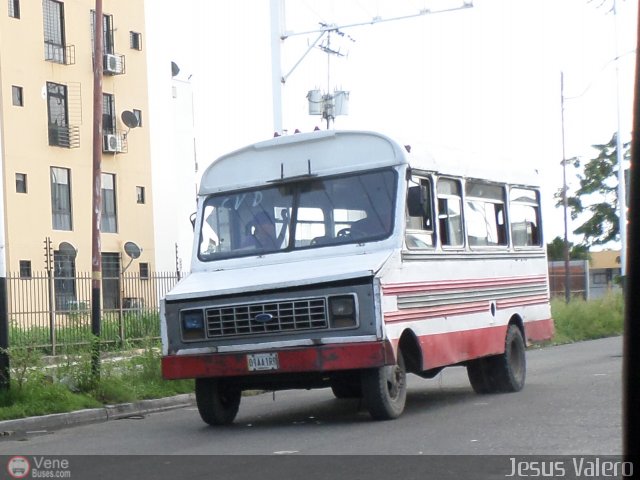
(108,114)
(64,281)
(14,8)
(107,33)
(135,40)
(109,219)
(110,280)
(54,35)
(25,268)
(61,198)
(58,114)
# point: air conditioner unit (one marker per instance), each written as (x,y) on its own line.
(112,64)
(112,144)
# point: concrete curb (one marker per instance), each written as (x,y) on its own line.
(94,415)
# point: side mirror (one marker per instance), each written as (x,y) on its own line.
(417,203)
(192,219)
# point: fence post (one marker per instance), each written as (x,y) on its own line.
(52,312)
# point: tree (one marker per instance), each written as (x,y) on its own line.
(555,251)
(597,195)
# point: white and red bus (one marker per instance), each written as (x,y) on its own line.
(342,259)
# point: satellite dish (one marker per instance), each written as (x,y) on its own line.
(67,249)
(129,119)
(132,250)
(175,70)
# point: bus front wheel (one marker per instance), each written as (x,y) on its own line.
(501,373)
(385,390)
(217,402)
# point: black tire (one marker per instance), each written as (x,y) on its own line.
(217,402)
(385,390)
(346,388)
(501,373)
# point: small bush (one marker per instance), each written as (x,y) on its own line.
(585,320)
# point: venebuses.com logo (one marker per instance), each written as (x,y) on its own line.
(18,467)
(38,467)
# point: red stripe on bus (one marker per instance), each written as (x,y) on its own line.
(435,312)
(522,301)
(414,287)
(440,350)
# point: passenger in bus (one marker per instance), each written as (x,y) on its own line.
(263,231)
(376,223)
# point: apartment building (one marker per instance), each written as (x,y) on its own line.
(46,137)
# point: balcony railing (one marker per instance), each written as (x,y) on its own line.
(63,54)
(66,136)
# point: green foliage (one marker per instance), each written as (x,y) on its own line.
(75,334)
(597,195)
(555,250)
(69,383)
(585,320)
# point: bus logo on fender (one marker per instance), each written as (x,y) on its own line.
(263,318)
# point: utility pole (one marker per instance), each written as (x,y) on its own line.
(622,191)
(4,302)
(565,202)
(96,260)
(278,36)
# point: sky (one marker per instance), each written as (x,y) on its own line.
(484,79)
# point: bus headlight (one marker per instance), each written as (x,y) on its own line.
(192,324)
(342,311)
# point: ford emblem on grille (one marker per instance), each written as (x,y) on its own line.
(263,317)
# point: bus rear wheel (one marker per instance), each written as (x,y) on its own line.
(501,373)
(385,390)
(217,402)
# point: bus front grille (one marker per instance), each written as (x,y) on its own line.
(265,318)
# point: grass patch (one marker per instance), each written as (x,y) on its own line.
(68,383)
(587,320)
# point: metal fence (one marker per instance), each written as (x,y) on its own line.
(54,312)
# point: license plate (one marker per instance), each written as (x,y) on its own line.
(262,361)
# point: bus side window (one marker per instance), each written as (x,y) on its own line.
(419,216)
(485,214)
(524,209)
(450,213)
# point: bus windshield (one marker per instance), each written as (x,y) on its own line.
(310,213)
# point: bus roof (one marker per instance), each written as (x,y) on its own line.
(330,152)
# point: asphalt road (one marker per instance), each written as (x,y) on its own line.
(571,405)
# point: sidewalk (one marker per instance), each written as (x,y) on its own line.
(94,415)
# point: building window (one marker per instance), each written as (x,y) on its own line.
(109,220)
(58,115)
(107,33)
(144,271)
(16,96)
(138,114)
(108,114)
(14,8)
(140,195)
(135,40)
(64,281)
(110,281)
(21,183)
(61,198)
(25,268)
(54,35)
